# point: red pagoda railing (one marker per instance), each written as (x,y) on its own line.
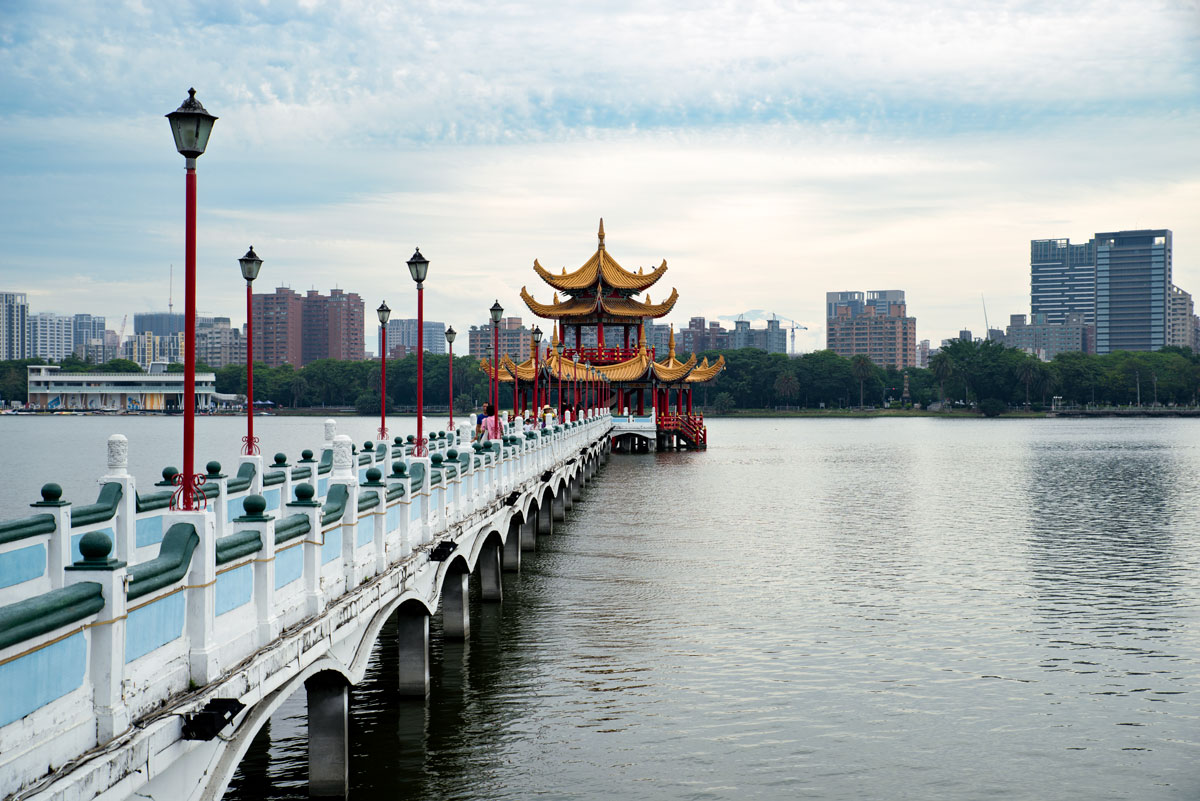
(690,425)
(603,355)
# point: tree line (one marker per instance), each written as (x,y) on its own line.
(961,373)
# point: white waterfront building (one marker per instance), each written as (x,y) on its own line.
(53,390)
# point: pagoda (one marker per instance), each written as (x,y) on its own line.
(619,371)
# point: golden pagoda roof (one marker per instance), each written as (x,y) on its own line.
(618,307)
(706,371)
(628,370)
(671,369)
(601,268)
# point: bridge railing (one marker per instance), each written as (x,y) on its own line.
(109,609)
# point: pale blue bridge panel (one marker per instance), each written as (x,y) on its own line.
(289,566)
(234,588)
(21,565)
(393,517)
(36,679)
(332,548)
(366,532)
(153,626)
(149,530)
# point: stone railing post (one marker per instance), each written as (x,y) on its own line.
(219,504)
(107,659)
(253,517)
(201,580)
(58,554)
(422,499)
(345,471)
(307,504)
(124,524)
(285,489)
(256,482)
(378,520)
(399,475)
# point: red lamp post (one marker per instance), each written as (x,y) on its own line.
(418,268)
(559,353)
(384,313)
(250,264)
(497,311)
(191,126)
(450,334)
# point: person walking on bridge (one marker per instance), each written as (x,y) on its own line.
(493,426)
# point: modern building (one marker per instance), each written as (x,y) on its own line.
(1181,314)
(1062,280)
(51,336)
(52,390)
(923,353)
(701,335)
(658,337)
(1133,287)
(403,334)
(146,349)
(290,328)
(772,339)
(1044,339)
(219,344)
(875,324)
(14,326)
(88,335)
(161,324)
(513,339)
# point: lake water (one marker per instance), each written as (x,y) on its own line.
(832,609)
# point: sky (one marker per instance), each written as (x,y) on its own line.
(768,151)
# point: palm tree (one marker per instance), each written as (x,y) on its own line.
(943,368)
(861,368)
(786,386)
(1027,371)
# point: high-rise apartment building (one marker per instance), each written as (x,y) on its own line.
(290,328)
(402,334)
(278,327)
(875,324)
(145,349)
(772,339)
(333,326)
(219,344)
(14,325)
(513,339)
(1181,314)
(51,336)
(88,335)
(699,337)
(1133,285)
(1062,280)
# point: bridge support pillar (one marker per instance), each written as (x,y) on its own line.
(413,641)
(559,504)
(328,736)
(490,585)
(529,530)
(576,489)
(511,558)
(456,610)
(545,520)
(569,495)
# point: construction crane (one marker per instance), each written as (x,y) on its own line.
(121,334)
(794,326)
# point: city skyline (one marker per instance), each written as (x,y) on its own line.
(921,148)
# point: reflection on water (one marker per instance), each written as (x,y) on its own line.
(837,609)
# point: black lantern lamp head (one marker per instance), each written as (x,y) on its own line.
(537,335)
(450,334)
(418,267)
(497,312)
(191,126)
(250,264)
(384,313)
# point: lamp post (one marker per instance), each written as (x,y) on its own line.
(191,126)
(537,346)
(558,351)
(418,268)
(250,264)
(450,334)
(497,311)
(384,313)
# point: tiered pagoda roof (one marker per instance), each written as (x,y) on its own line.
(600,287)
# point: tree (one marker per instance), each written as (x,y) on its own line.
(942,367)
(1027,371)
(723,403)
(786,386)
(862,368)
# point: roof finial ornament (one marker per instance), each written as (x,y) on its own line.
(671,343)
(642,336)
(601,233)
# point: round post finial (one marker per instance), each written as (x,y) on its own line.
(118,454)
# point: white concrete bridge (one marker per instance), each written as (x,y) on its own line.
(141,649)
